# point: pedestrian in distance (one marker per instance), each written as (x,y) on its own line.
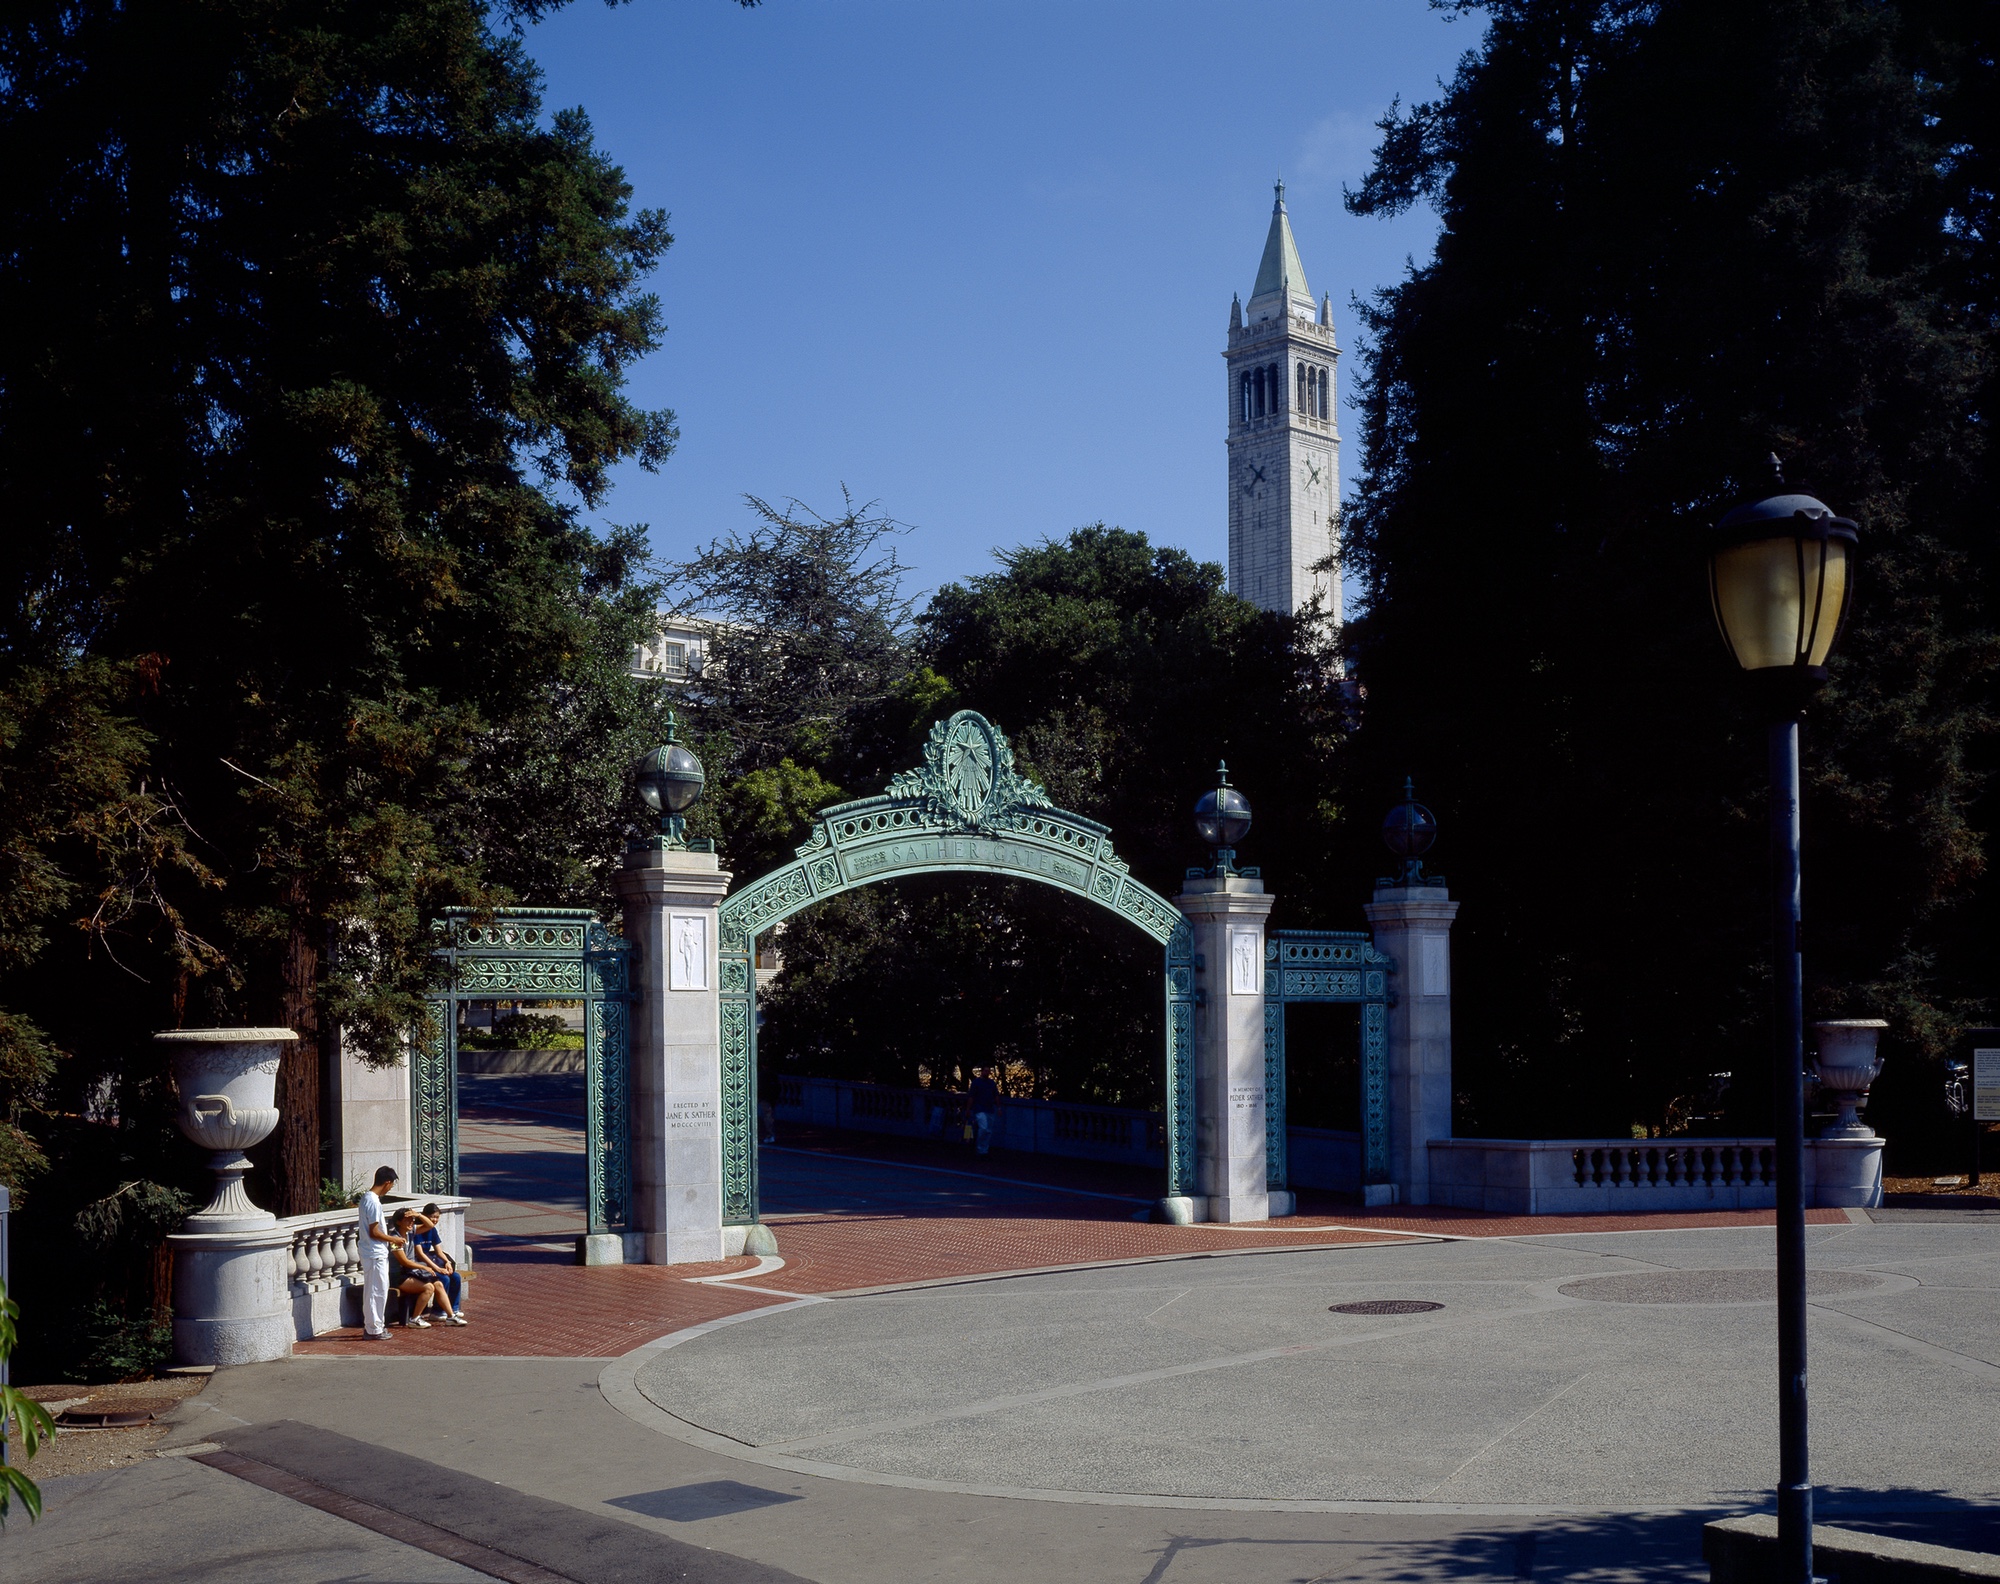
(983,1101)
(377,1243)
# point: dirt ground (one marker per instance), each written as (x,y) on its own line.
(86,1451)
(1947,1183)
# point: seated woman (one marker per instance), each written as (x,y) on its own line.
(412,1277)
(430,1250)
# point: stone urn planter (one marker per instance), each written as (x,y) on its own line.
(1848,1066)
(1847,1157)
(232,1261)
(226,1081)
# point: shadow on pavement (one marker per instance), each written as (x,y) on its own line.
(1649,1546)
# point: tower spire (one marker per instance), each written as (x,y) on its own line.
(1281,279)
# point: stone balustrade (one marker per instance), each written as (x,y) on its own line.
(1608,1176)
(1683,1163)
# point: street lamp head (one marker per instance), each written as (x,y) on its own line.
(1409,830)
(670,779)
(1780,580)
(1222,818)
(1223,815)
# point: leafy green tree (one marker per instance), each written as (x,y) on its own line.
(1124,671)
(811,682)
(942,973)
(313,332)
(1673,239)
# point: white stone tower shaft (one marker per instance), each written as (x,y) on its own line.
(1284,448)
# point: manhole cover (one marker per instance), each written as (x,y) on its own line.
(1710,1286)
(103,1418)
(1380,1306)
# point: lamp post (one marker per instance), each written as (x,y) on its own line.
(1409,830)
(670,779)
(1779,579)
(1222,818)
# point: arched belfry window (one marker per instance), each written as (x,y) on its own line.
(1325,393)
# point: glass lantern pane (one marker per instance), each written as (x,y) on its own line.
(1831,595)
(1757,601)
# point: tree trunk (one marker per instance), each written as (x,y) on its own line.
(297,1168)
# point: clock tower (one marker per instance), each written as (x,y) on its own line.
(1284,451)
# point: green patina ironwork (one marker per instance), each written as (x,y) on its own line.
(1328,965)
(964,808)
(561,954)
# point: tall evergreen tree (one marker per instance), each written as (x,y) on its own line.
(313,334)
(1675,238)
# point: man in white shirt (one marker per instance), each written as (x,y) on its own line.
(376,1241)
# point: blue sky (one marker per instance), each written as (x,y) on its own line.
(974,261)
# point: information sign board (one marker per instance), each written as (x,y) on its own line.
(1986,1085)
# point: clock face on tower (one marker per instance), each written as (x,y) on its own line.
(1312,472)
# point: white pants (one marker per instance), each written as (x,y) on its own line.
(374,1294)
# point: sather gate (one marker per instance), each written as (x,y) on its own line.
(966,808)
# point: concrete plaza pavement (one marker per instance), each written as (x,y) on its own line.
(1578,1406)
(1610,1372)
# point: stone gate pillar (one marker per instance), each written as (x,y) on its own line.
(1226,914)
(1412,925)
(669,900)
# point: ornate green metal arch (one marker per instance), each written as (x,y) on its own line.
(966,808)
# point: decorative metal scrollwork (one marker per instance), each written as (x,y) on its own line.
(1338,966)
(562,953)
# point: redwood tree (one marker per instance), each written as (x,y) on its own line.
(313,334)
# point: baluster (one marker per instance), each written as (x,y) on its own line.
(296,1268)
(305,1255)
